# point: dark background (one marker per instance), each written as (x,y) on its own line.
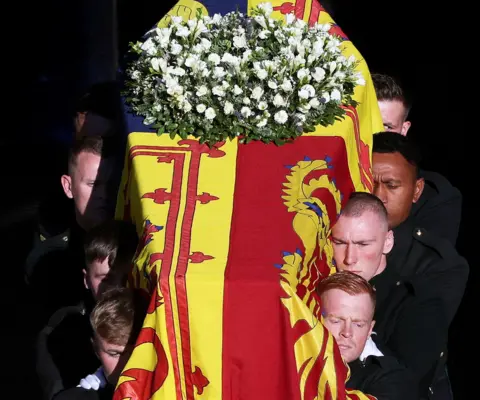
(55,49)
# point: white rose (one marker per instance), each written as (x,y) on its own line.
(281,117)
(210,113)
(314,103)
(262,123)
(272,85)
(246,112)
(206,44)
(335,95)
(218,91)
(219,72)
(319,74)
(240,42)
(262,105)
(183,31)
(303,73)
(278,101)
(264,34)
(286,85)
(201,108)
(261,74)
(257,92)
(228,108)
(214,58)
(202,91)
(246,100)
(175,48)
(237,90)
(187,106)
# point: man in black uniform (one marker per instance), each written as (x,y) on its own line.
(348,303)
(53,268)
(438,207)
(418,292)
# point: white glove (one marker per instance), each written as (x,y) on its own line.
(94,381)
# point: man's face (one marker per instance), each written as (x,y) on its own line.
(112,357)
(396,184)
(394,116)
(349,319)
(94,275)
(361,243)
(88,185)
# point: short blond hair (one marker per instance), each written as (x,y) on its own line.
(118,316)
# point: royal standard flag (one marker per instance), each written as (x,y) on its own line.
(234,239)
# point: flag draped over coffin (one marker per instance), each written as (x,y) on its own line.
(234,239)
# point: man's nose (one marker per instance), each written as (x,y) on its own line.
(346,331)
(380,192)
(350,255)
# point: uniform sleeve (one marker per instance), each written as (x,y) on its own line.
(420,335)
(392,382)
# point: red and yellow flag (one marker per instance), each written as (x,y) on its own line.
(234,240)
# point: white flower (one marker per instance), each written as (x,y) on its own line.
(149,47)
(335,95)
(266,7)
(237,90)
(246,112)
(257,93)
(262,106)
(177,71)
(260,19)
(286,85)
(261,74)
(182,31)
(240,42)
(228,108)
(300,117)
(176,20)
(309,89)
(278,101)
(281,117)
(191,61)
(206,44)
(219,72)
(256,68)
(214,58)
(175,48)
(218,91)
(360,81)
(314,103)
(319,74)
(202,91)
(290,18)
(262,123)
(210,113)
(332,65)
(303,73)
(264,34)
